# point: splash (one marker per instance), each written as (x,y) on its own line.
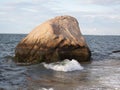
(46,89)
(66,65)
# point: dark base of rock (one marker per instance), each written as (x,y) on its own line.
(81,55)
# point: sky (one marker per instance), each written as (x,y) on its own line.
(95,17)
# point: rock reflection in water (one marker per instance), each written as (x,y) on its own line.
(99,75)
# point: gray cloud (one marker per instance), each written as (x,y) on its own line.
(100,2)
(94,16)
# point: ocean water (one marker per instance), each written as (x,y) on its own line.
(102,73)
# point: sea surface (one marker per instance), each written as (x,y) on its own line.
(102,73)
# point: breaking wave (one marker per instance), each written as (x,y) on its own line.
(66,65)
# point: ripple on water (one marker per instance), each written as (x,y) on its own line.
(11,76)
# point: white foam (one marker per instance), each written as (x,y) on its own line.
(46,89)
(66,65)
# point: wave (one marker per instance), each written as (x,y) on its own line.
(46,89)
(65,66)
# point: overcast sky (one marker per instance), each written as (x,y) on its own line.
(95,17)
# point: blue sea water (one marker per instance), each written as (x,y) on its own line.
(102,73)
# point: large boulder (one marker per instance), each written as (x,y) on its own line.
(54,40)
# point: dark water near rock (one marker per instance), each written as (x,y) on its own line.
(103,73)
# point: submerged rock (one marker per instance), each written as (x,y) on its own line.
(54,40)
(116,51)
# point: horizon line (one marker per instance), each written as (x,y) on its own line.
(82,34)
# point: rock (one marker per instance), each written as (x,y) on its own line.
(116,51)
(54,40)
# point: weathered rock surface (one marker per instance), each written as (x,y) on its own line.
(54,40)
